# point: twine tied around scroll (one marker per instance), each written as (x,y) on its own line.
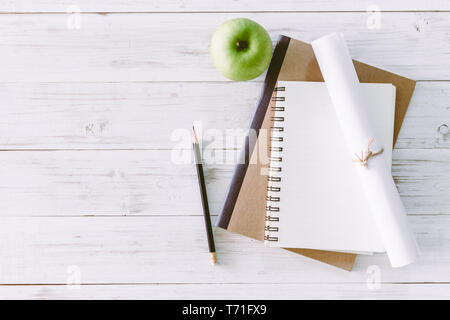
(363,159)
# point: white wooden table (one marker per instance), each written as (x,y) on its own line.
(89,192)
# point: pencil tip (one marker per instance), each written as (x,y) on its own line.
(194,135)
(213,257)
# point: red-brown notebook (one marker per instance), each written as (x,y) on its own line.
(245,204)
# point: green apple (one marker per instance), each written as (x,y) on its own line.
(241,49)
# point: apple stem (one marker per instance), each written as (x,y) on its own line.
(242,45)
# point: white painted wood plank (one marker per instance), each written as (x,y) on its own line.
(427,112)
(118,115)
(38,183)
(155,47)
(229,291)
(146,115)
(212,6)
(153,250)
(422,178)
(100,182)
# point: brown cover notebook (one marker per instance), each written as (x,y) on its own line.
(244,208)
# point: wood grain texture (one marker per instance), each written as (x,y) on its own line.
(148,182)
(135,47)
(158,115)
(358,291)
(42,250)
(213,6)
(119,115)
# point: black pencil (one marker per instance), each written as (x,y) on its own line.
(201,183)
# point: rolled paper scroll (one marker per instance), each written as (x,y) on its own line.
(376,180)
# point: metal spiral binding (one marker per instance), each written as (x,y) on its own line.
(275,168)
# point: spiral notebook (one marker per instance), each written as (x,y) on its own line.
(315,199)
(244,208)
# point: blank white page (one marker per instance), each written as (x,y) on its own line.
(322,204)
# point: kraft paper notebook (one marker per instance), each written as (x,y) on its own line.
(244,209)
